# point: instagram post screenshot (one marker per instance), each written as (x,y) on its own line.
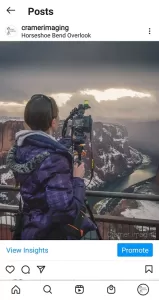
(79,150)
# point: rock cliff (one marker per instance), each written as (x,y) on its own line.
(112,154)
(7,135)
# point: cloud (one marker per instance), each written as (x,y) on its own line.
(123,108)
(11,109)
(55,53)
(52,68)
(19,84)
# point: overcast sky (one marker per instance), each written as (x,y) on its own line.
(69,67)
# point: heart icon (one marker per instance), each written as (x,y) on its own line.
(10,269)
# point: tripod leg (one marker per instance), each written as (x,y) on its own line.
(93,219)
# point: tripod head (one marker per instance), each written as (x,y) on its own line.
(81,125)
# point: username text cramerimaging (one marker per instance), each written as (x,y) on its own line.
(49,31)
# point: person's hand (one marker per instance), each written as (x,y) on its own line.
(79,170)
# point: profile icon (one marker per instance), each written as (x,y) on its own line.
(10,31)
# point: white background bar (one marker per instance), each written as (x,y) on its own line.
(104,20)
(66,290)
(80,270)
(70,250)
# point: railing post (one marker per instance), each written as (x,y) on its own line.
(92,218)
(157,232)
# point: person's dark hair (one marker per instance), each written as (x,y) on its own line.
(40,111)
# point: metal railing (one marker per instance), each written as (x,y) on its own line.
(111,227)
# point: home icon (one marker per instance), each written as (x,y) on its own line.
(15,290)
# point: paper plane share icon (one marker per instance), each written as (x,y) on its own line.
(41,268)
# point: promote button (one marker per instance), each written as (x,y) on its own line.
(135,250)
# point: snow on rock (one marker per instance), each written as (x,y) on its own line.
(98,207)
(96,181)
(135,157)
(94,133)
(145,210)
(4,119)
(146,159)
(2,167)
(101,138)
(106,131)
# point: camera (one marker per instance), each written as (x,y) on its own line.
(80,124)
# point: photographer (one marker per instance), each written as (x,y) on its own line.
(52,189)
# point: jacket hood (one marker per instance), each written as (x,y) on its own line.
(21,135)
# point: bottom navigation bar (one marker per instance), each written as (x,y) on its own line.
(71,290)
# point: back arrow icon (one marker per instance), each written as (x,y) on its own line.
(9,10)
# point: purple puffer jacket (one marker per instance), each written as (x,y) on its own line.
(51,196)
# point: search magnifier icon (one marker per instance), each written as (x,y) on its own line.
(25,270)
(47,289)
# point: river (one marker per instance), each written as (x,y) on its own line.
(144,172)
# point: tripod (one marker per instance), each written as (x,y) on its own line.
(79,150)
